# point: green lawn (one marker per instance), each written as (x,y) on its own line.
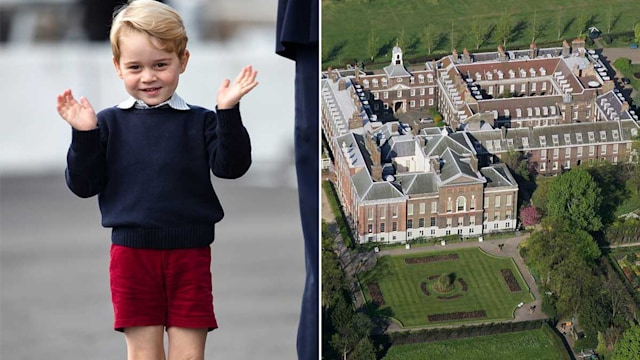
(346,24)
(400,285)
(523,345)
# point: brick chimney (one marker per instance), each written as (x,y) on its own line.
(473,162)
(454,54)
(566,48)
(533,51)
(466,57)
(435,165)
(502,56)
(376,158)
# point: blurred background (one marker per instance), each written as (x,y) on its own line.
(54,289)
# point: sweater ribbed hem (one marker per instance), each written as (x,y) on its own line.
(164,238)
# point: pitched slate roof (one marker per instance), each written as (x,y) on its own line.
(454,168)
(418,183)
(497,175)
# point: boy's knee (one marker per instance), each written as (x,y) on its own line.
(186,344)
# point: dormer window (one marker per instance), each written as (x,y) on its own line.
(616,135)
(592,136)
(567,139)
(554,138)
(543,141)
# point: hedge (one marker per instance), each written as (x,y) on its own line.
(345,232)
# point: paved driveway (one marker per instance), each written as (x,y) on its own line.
(55,300)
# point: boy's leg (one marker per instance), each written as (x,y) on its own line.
(185,343)
(145,342)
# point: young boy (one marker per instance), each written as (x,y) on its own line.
(149,161)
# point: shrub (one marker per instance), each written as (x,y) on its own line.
(444,284)
(458,316)
(431,258)
(623,64)
(530,216)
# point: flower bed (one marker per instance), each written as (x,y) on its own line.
(463,284)
(462,315)
(423,287)
(430,258)
(376,293)
(511,281)
(451,297)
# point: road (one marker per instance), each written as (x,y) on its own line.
(54,286)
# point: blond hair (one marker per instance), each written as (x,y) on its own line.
(161,22)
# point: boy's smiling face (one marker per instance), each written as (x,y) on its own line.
(149,73)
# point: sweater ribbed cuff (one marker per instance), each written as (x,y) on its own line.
(81,140)
(229,118)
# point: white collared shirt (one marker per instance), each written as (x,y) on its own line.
(175,102)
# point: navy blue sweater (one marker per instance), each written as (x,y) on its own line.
(151,171)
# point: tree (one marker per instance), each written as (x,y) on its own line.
(559,25)
(503,28)
(364,350)
(610,180)
(595,316)
(609,19)
(634,179)
(512,159)
(564,258)
(540,196)
(333,279)
(478,32)
(582,22)
(534,29)
(530,216)
(636,31)
(429,37)
(401,41)
(372,46)
(452,38)
(628,347)
(349,336)
(575,196)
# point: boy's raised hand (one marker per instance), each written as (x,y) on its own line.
(230,93)
(79,114)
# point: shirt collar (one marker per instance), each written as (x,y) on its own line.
(175,102)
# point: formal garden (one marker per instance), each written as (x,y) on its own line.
(446,287)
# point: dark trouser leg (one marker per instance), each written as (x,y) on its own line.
(307,154)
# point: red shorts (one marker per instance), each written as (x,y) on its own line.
(162,287)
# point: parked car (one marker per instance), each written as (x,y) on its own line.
(633,46)
(626,81)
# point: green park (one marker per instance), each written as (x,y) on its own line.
(521,345)
(366,30)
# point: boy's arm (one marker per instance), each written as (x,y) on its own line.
(85,173)
(86,170)
(227,139)
(228,144)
